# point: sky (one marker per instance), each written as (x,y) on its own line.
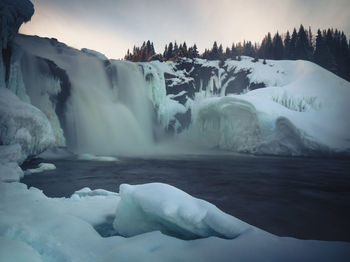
(114,26)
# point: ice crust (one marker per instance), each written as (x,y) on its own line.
(62,229)
(157,206)
(23,124)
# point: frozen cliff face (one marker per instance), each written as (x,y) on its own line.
(12,14)
(279,108)
(23,124)
(105,106)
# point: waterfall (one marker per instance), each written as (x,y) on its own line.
(106,109)
(109,120)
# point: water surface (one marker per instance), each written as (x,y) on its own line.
(307,198)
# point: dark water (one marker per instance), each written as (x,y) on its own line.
(298,197)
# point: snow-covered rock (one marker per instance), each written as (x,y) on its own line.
(23,124)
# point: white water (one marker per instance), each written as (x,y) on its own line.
(106,120)
(102,117)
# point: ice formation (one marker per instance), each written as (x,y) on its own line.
(41,168)
(122,108)
(23,124)
(157,206)
(63,229)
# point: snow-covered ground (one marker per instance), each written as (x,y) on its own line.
(63,229)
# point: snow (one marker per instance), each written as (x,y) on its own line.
(10,156)
(23,124)
(41,168)
(91,157)
(302,111)
(64,229)
(157,206)
(14,251)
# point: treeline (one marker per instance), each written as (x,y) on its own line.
(328,48)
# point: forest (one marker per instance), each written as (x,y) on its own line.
(328,48)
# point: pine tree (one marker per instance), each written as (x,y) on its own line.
(176,50)
(277,47)
(303,49)
(195,51)
(170,53)
(234,52)
(214,52)
(227,54)
(293,43)
(322,55)
(287,42)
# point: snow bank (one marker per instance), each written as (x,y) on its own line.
(23,124)
(14,251)
(158,206)
(303,113)
(64,229)
(41,168)
(10,156)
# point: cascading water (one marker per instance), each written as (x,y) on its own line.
(109,120)
(107,112)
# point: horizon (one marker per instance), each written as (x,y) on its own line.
(117,26)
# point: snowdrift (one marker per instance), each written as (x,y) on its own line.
(64,229)
(157,206)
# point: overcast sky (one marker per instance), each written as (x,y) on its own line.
(113,26)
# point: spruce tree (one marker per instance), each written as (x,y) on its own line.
(277,50)
(292,47)
(286,50)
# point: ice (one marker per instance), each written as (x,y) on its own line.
(158,206)
(23,124)
(94,53)
(15,251)
(41,168)
(11,153)
(10,172)
(13,14)
(10,157)
(63,229)
(91,157)
(87,192)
